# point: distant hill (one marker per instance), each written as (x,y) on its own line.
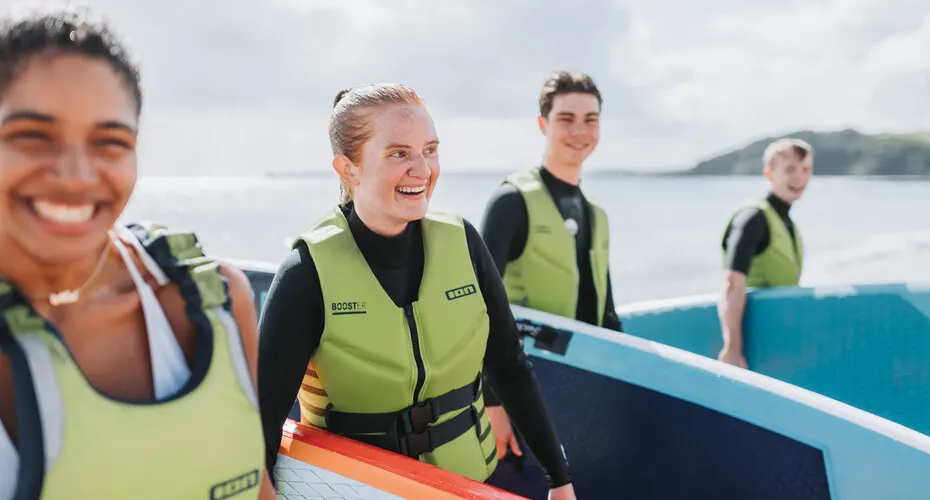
(846,152)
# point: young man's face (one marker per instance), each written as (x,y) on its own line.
(789,175)
(572,128)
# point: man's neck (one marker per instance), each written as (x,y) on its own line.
(568,173)
(779,203)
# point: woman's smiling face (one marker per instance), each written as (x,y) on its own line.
(68,129)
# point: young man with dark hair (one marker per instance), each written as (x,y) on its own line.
(549,241)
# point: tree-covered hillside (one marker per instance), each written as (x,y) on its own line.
(846,152)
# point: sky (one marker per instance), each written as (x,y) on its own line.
(244,87)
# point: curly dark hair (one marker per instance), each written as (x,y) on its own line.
(72,30)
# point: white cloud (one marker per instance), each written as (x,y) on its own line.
(241,86)
(811,65)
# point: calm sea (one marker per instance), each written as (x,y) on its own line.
(665,231)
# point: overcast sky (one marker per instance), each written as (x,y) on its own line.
(244,86)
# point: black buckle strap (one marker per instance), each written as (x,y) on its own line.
(417,443)
(410,419)
(408,431)
(418,417)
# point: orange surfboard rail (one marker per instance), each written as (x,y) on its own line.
(382,469)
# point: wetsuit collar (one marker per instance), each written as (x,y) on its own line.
(382,251)
(557,186)
(778,204)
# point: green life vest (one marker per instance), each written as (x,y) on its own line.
(75,442)
(545,276)
(405,378)
(779,264)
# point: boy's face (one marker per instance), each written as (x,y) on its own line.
(572,128)
(789,175)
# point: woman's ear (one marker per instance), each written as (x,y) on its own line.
(346,170)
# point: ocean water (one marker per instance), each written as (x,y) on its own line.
(665,231)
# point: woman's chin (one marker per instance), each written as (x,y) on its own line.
(411,210)
(413,215)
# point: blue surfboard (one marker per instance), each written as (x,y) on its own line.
(865,345)
(639,419)
(654,421)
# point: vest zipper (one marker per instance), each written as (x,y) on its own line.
(417,356)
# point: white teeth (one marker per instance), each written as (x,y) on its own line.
(412,190)
(64,214)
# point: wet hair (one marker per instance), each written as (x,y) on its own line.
(350,126)
(564,82)
(801,149)
(31,31)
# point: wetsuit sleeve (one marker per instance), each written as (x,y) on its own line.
(746,233)
(289,329)
(508,370)
(611,321)
(504,227)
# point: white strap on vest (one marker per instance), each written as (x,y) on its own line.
(51,414)
(169,367)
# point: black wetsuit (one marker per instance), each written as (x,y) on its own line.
(748,234)
(292,322)
(505,229)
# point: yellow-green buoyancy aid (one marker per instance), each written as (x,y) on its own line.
(405,378)
(203,443)
(545,276)
(779,264)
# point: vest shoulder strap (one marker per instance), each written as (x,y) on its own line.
(333,223)
(33,445)
(444,217)
(525,180)
(746,204)
(595,206)
(760,203)
(180,255)
(328,225)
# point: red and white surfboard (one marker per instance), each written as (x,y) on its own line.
(314,463)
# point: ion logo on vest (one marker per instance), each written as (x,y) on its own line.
(234,486)
(462,291)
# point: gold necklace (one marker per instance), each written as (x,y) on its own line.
(73,295)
